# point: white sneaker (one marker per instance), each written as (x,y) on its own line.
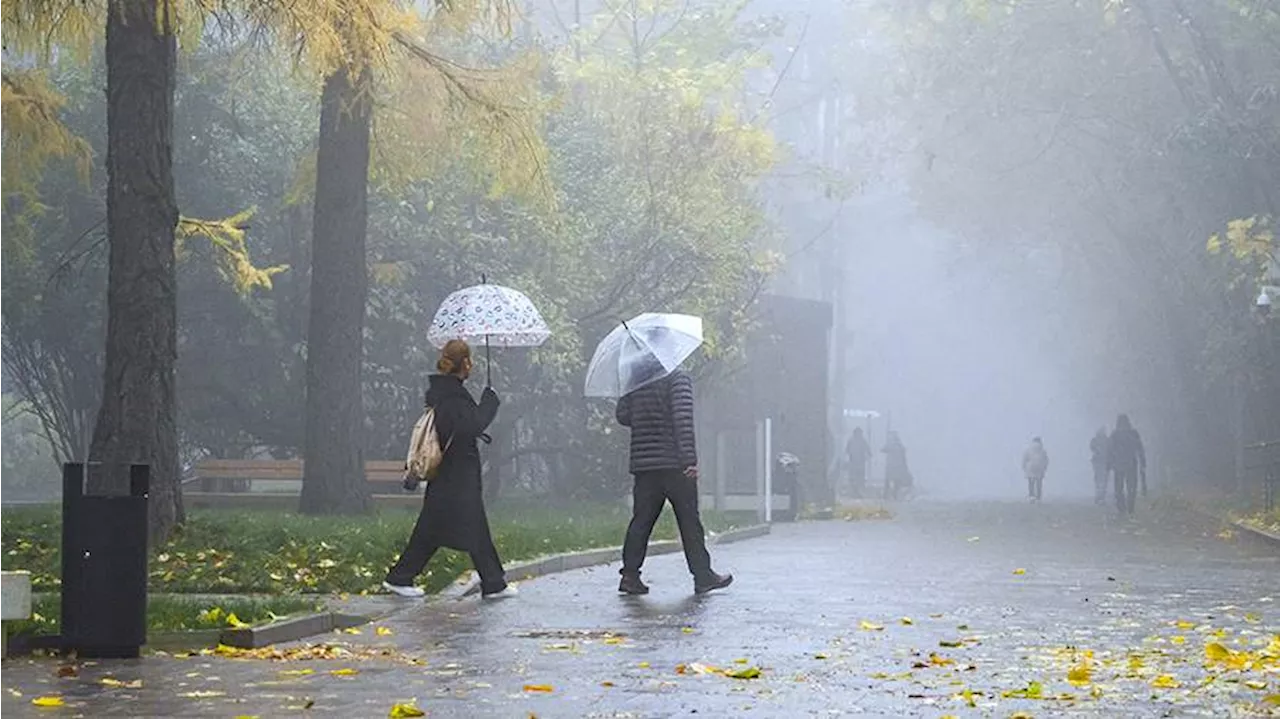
(507,593)
(407,592)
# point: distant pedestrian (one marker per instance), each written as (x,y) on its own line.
(1099,448)
(453,512)
(1035,463)
(664,461)
(1127,461)
(897,476)
(856,454)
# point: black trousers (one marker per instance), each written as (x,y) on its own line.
(652,491)
(1126,490)
(422,547)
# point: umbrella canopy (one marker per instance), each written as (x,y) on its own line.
(641,352)
(494,314)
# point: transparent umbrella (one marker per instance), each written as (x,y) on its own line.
(640,352)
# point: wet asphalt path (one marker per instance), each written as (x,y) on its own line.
(943,610)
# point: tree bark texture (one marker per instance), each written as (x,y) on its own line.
(334,481)
(137,421)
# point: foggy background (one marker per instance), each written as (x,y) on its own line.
(1006,213)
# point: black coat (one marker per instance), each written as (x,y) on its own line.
(660,416)
(453,507)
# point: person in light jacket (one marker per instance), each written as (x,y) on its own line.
(1035,462)
(453,513)
(664,462)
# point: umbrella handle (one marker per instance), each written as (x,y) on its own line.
(488,364)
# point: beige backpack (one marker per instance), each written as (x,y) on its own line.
(425,452)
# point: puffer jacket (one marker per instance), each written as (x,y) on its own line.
(660,416)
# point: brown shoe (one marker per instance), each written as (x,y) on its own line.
(712,583)
(631,584)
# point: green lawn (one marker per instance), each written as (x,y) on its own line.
(268,552)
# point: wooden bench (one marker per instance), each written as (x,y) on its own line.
(277,483)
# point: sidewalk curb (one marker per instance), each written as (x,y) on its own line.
(569,561)
(1260,536)
(292,629)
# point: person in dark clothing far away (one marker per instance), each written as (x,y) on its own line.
(453,512)
(664,461)
(1099,448)
(1035,463)
(857,453)
(1127,461)
(897,476)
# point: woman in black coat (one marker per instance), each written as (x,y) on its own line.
(453,513)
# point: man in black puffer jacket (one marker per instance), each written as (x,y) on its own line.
(664,460)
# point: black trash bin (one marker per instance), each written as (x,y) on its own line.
(104,565)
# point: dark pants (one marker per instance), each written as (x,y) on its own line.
(1099,483)
(422,547)
(1126,490)
(652,491)
(1035,487)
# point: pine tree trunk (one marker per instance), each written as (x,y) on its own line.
(334,480)
(137,419)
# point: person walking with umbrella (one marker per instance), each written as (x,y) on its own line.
(640,362)
(453,512)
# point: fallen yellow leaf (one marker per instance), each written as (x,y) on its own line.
(351,630)
(687,630)
(643,665)
(1255,684)
(1165,681)
(1186,625)
(539,688)
(606,684)
(906,621)
(870,626)
(385,632)
(1079,674)
(739,661)
(1033,690)
(110,682)
(938,661)
(614,640)
(744,673)
(1019,571)
(297,672)
(404,711)
(1272,699)
(1179,639)
(234,622)
(819,656)
(345,672)
(48,701)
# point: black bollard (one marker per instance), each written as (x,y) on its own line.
(104,566)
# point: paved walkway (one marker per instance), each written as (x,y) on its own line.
(945,610)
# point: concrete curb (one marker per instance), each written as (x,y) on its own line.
(1259,536)
(555,564)
(290,630)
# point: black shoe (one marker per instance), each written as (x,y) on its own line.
(712,583)
(631,584)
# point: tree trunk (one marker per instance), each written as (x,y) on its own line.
(334,480)
(137,419)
